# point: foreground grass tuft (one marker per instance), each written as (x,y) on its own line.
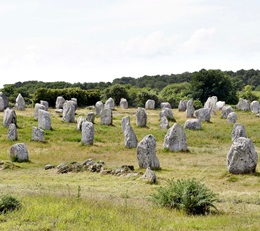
(8,203)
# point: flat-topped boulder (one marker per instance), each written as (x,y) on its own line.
(192,124)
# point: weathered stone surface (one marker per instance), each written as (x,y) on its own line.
(220,105)
(87,135)
(238,131)
(75,100)
(255,106)
(243,104)
(9,117)
(49,166)
(125,120)
(99,107)
(19,152)
(37,134)
(68,113)
(182,105)
(211,104)
(44,120)
(106,116)
(167,113)
(123,103)
(203,114)
(141,117)
(80,120)
(45,103)
(12,132)
(20,103)
(90,117)
(166,105)
(149,176)
(150,104)
(164,123)
(38,106)
(232,117)
(6,100)
(129,136)
(192,124)
(225,111)
(110,104)
(175,139)
(59,102)
(190,109)
(2,104)
(242,157)
(146,153)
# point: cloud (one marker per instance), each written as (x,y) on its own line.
(6,8)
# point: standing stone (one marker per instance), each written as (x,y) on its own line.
(211,104)
(123,103)
(149,176)
(190,109)
(232,117)
(9,117)
(203,114)
(125,120)
(12,132)
(225,111)
(255,106)
(87,135)
(141,117)
(80,120)
(20,103)
(36,109)
(238,131)
(2,104)
(146,153)
(90,117)
(150,104)
(242,157)
(75,100)
(220,105)
(106,116)
(37,134)
(166,105)
(167,113)
(243,104)
(46,104)
(59,102)
(175,139)
(99,107)
(192,124)
(19,152)
(129,136)
(110,104)
(44,119)
(164,123)
(6,100)
(182,105)
(68,113)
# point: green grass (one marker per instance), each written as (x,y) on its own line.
(84,201)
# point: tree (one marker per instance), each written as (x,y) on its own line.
(206,83)
(116,92)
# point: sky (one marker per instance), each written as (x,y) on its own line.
(94,41)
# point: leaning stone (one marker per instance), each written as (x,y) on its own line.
(150,104)
(87,135)
(19,152)
(167,112)
(123,103)
(37,134)
(225,111)
(106,116)
(37,107)
(130,137)
(146,153)
(190,109)
(6,100)
(175,139)
(20,103)
(110,104)
(192,124)
(9,117)
(99,107)
(242,157)
(68,113)
(203,114)
(125,120)
(243,104)
(12,132)
(238,131)
(166,105)
(255,106)
(59,102)
(90,117)
(80,120)
(232,117)
(182,105)
(141,117)
(164,123)
(44,119)
(45,103)
(149,176)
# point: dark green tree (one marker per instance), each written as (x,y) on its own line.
(116,92)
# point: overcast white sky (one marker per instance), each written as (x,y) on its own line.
(93,41)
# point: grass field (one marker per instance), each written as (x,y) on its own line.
(91,201)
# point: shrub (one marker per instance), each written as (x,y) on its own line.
(8,203)
(188,195)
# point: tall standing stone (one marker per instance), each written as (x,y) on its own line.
(141,117)
(2,104)
(87,134)
(190,109)
(146,153)
(46,104)
(44,119)
(9,117)
(106,116)
(68,113)
(37,134)
(19,152)
(37,107)
(150,104)
(59,102)
(211,104)
(238,131)
(175,139)
(242,157)
(20,103)
(99,107)
(125,120)
(203,114)
(255,106)
(75,100)
(6,100)
(123,103)
(12,132)
(129,136)
(182,105)
(110,104)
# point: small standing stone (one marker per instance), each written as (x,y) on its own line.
(225,111)
(123,103)
(2,104)
(211,104)
(110,104)
(37,107)
(59,102)
(80,120)
(19,152)
(203,114)
(106,116)
(9,117)
(46,104)
(164,123)
(232,117)
(149,176)
(166,105)
(99,107)
(68,113)
(20,103)
(220,105)
(182,105)
(238,131)
(190,109)
(141,117)
(129,136)
(12,132)
(150,104)
(87,135)
(255,106)
(90,117)
(44,119)
(37,134)
(125,120)
(167,112)
(6,100)
(243,104)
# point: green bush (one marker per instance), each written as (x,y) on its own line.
(188,195)
(8,203)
